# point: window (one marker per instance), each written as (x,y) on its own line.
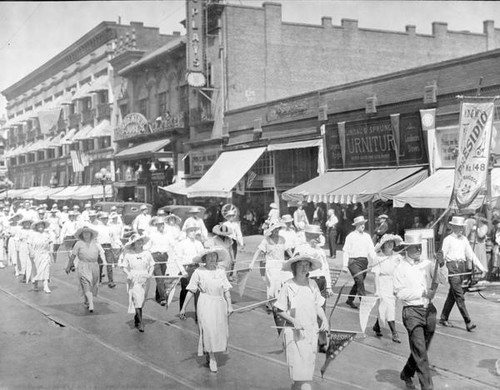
(143,107)
(264,165)
(187,165)
(102,97)
(51,153)
(104,142)
(124,109)
(86,104)
(295,166)
(162,104)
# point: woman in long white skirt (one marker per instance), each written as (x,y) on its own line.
(40,245)
(23,237)
(138,264)
(214,304)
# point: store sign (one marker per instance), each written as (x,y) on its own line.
(133,124)
(195,45)
(447,145)
(202,161)
(372,143)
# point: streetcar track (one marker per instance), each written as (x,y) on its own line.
(92,337)
(230,346)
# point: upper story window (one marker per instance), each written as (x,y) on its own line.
(264,165)
(124,109)
(86,104)
(102,97)
(143,107)
(162,103)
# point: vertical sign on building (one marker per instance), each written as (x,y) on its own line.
(195,43)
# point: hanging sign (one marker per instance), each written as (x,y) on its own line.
(195,43)
(476,121)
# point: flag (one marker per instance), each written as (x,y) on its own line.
(337,341)
(75,162)
(334,275)
(365,308)
(250,178)
(48,119)
(170,284)
(475,126)
(84,158)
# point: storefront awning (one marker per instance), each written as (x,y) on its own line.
(144,150)
(435,191)
(17,193)
(92,192)
(32,191)
(67,139)
(225,173)
(66,193)
(357,185)
(295,145)
(177,188)
(46,193)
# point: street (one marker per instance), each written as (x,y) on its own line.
(50,341)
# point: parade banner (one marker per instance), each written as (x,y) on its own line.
(337,341)
(476,121)
(428,118)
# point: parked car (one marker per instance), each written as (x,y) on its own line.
(183,211)
(128,210)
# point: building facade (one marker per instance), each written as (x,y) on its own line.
(60,116)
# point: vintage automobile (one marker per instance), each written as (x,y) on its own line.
(183,211)
(128,210)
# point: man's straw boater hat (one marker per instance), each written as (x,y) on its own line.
(457,221)
(359,220)
(313,229)
(412,237)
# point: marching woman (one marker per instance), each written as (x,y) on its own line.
(385,262)
(23,236)
(273,248)
(299,302)
(138,264)
(86,251)
(214,303)
(13,243)
(40,245)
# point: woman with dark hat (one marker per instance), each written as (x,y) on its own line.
(300,303)
(385,262)
(138,264)
(40,245)
(86,251)
(214,303)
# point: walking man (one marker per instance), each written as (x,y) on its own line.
(413,282)
(456,251)
(357,249)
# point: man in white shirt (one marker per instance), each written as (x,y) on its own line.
(104,238)
(413,285)
(67,233)
(84,217)
(456,251)
(331,231)
(159,245)
(357,249)
(141,222)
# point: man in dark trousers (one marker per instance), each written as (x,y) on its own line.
(413,282)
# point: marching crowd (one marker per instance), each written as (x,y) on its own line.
(290,258)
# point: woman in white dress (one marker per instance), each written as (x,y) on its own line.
(214,304)
(385,262)
(138,264)
(23,237)
(40,245)
(299,303)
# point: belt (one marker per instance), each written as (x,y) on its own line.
(415,307)
(456,261)
(317,277)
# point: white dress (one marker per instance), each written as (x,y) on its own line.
(211,308)
(275,258)
(384,287)
(140,267)
(40,251)
(302,303)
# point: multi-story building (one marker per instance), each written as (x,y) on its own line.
(60,116)
(252,57)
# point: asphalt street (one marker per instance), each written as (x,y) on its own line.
(50,341)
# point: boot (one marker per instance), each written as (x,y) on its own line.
(136,318)
(395,335)
(141,323)
(46,287)
(376,329)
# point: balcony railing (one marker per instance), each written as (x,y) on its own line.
(88,116)
(169,122)
(200,115)
(74,120)
(103,111)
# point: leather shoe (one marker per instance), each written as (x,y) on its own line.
(470,326)
(377,331)
(111,285)
(351,304)
(395,338)
(445,323)
(163,302)
(213,365)
(408,381)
